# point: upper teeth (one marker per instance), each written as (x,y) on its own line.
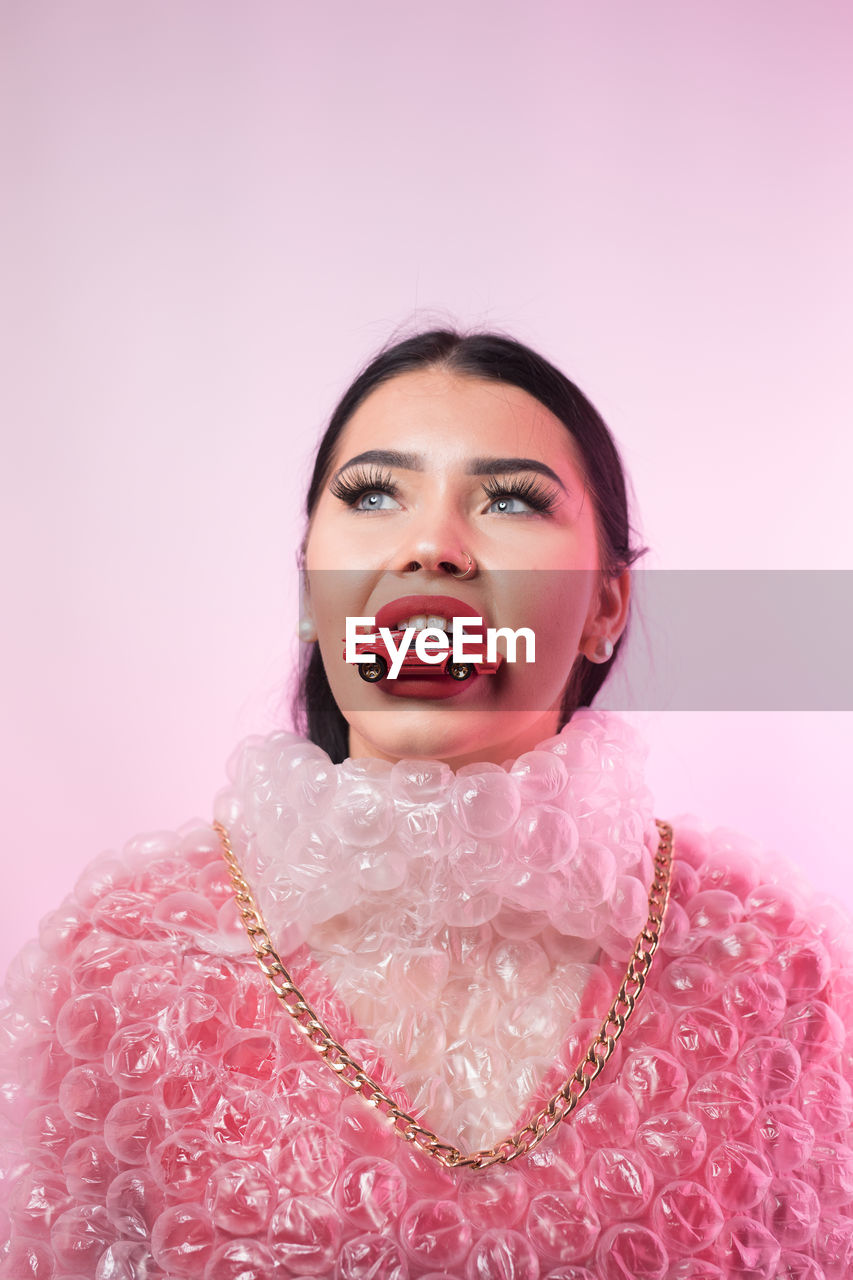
(421,620)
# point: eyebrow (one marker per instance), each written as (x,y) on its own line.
(482,466)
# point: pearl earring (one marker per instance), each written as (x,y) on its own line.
(602,651)
(306,630)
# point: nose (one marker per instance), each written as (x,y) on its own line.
(442,550)
(459,564)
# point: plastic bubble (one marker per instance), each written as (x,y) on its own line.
(134,1202)
(365,1132)
(143,991)
(371,1256)
(773,907)
(240,1260)
(541,776)
(311,786)
(816,1031)
(833,1246)
(593,875)
(48,1130)
(101,876)
(832,1163)
(772,1067)
(41,1065)
(631,1251)
(240,1197)
(687,980)
(756,1002)
(190,1087)
(608,1118)
(738,1175)
(371,1193)
(86,1095)
(88,1168)
(826,1100)
(687,1217)
(547,839)
(435,1233)
(125,1260)
(791,1212)
(673,1142)
(419,782)
(125,912)
(135,1056)
(618,1183)
(362,814)
(724,1103)
(784,1137)
(563,1225)
(486,804)
(714,911)
(496,1198)
(182,1239)
(655,1080)
(748,1249)
(183,1163)
(502,1254)
(518,966)
(311,1159)
(79,1237)
(99,956)
(304,1236)
(36,1199)
(62,929)
(803,966)
(742,949)
(694,1269)
(27,1260)
(706,1040)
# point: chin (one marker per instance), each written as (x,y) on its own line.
(441,733)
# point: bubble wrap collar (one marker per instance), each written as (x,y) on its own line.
(563,836)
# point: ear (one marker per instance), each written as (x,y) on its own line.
(305,628)
(607,615)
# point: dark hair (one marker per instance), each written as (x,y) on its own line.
(500,359)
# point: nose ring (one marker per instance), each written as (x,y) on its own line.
(469,571)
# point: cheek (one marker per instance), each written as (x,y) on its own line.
(334,596)
(557,639)
(557,613)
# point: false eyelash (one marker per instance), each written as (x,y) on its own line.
(528,490)
(350,487)
(357,481)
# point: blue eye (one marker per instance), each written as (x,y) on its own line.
(528,490)
(357,484)
(372,495)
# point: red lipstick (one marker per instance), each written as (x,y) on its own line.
(448,607)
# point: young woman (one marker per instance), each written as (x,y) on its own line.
(567,1043)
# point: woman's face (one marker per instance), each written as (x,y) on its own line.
(390,527)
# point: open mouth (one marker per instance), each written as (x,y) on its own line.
(425,611)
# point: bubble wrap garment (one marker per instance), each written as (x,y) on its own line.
(464,933)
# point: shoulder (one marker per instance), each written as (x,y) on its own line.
(159,915)
(755,960)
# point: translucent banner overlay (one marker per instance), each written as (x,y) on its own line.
(696,640)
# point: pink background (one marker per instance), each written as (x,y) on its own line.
(215,212)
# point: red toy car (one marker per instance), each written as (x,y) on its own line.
(413,665)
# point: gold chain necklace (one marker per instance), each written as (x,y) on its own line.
(405,1125)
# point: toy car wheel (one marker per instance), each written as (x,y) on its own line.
(373,671)
(459,670)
